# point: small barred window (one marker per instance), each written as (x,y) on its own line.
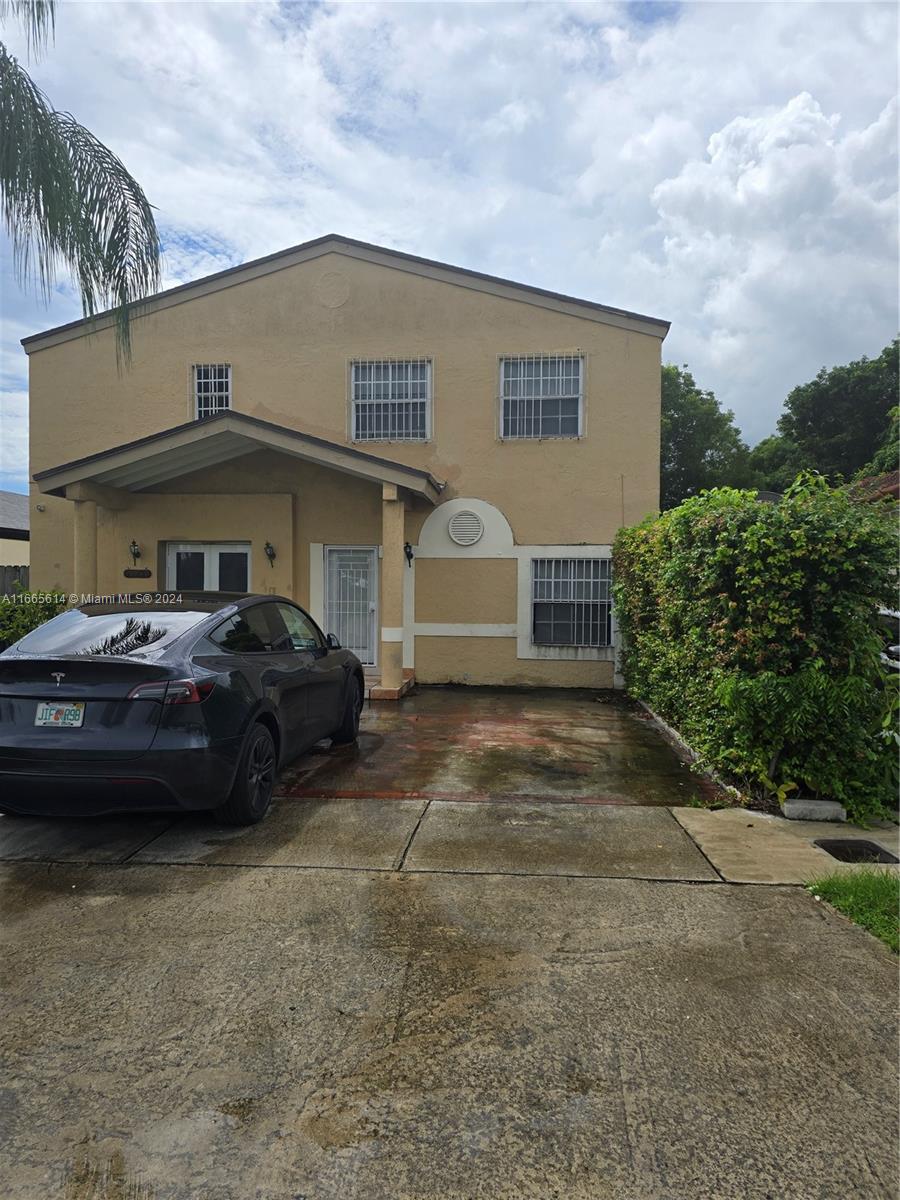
(212,389)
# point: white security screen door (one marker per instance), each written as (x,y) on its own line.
(351,599)
(208,566)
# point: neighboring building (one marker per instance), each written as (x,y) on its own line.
(14,543)
(877,487)
(305,423)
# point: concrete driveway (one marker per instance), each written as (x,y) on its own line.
(424,998)
(455,743)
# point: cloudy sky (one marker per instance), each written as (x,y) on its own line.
(730,167)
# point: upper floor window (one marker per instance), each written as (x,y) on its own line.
(570,602)
(212,388)
(541,396)
(391,400)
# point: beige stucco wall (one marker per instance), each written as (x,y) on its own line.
(492,660)
(289,337)
(326,506)
(154,520)
(478,591)
(14,552)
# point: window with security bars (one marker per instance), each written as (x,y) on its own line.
(212,388)
(541,396)
(391,400)
(571,602)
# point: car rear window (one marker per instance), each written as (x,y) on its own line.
(115,634)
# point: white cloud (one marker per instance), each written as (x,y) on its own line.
(728,166)
(791,251)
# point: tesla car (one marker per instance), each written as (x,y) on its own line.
(141,706)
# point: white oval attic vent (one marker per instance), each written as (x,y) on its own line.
(465,527)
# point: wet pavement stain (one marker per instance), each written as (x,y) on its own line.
(241,1109)
(499,743)
(335,1035)
(108,1180)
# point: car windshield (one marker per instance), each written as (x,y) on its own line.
(114,634)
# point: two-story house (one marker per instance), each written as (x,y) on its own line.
(433,461)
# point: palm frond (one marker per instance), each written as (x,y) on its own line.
(133,635)
(68,201)
(37,17)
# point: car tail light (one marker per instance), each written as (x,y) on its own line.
(173,691)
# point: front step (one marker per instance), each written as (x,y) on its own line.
(374,690)
(372,678)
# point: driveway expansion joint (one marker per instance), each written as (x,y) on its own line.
(324,868)
(697,844)
(401,859)
(148,842)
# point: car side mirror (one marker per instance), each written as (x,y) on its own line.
(333,643)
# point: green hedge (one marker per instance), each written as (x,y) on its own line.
(23,611)
(751,628)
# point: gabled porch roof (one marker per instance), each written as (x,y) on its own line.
(136,466)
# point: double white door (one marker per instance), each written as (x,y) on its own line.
(208,566)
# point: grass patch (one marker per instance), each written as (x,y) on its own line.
(869,898)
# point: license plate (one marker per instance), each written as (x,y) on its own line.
(60,716)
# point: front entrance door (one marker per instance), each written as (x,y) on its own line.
(208,566)
(351,599)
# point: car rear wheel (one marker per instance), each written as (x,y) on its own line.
(348,729)
(254,782)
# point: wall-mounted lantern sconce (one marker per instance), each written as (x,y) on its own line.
(135,551)
(270,554)
(408,551)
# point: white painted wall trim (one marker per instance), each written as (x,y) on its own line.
(436,629)
(409,612)
(495,542)
(317,583)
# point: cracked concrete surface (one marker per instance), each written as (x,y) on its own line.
(271,1032)
(412,997)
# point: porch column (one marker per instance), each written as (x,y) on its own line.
(393,563)
(84,545)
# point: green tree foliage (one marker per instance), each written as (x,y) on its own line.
(775,463)
(701,445)
(66,199)
(837,420)
(751,628)
(888,453)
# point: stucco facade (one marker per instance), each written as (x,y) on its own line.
(119,457)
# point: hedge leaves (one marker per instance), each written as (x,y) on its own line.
(751,628)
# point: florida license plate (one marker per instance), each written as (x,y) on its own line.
(60,716)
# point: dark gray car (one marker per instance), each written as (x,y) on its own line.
(193,705)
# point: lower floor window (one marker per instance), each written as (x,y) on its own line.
(208,566)
(570,602)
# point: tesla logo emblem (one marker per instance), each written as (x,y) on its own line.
(58,675)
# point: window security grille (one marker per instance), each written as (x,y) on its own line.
(541,396)
(571,602)
(391,400)
(212,388)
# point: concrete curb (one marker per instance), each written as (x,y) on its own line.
(673,736)
(802,808)
(797,808)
